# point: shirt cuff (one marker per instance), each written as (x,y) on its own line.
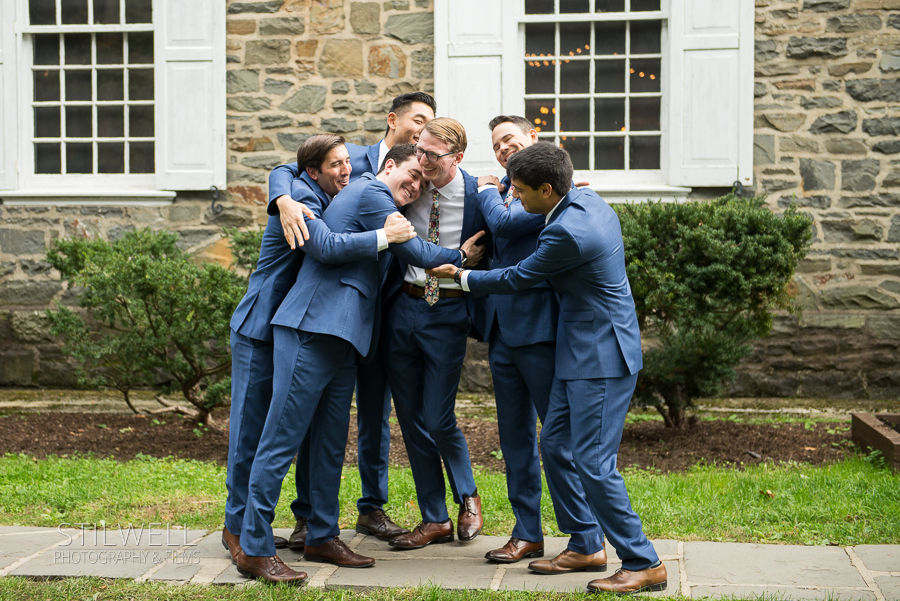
(464,281)
(485,187)
(382,239)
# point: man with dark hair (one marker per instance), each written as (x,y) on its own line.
(521,360)
(328,318)
(326,167)
(598,353)
(408,115)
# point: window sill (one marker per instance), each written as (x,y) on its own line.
(612,193)
(56,198)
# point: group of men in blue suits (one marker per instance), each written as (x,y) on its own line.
(351,314)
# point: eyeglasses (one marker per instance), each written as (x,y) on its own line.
(431,156)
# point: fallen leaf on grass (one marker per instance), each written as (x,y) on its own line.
(809,448)
(767,493)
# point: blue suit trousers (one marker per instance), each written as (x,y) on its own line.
(313,385)
(590,415)
(251,393)
(523,379)
(424,351)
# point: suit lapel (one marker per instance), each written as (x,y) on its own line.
(317,189)
(372,155)
(565,202)
(469,211)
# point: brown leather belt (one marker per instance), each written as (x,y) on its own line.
(419,291)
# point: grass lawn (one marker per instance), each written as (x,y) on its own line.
(846,503)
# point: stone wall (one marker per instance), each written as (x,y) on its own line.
(827,121)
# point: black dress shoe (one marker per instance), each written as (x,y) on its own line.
(280,542)
(378,524)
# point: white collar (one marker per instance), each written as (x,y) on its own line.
(455,186)
(553,210)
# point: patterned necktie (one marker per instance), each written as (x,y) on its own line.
(508,198)
(431,283)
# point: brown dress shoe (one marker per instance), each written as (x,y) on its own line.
(470,521)
(378,524)
(298,537)
(425,533)
(280,542)
(336,552)
(232,542)
(569,561)
(268,569)
(515,550)
(625,581)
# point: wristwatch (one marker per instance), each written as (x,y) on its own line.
(465,257)
(457,277)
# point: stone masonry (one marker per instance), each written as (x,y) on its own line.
(826,125)
(827,138)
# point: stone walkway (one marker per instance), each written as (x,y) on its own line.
(696,569)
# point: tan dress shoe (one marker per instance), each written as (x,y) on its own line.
(425,533)
(298,537)
(625,581)
(268,569)
(232,542)
(336,552)
(470,521)
(379,524)
(569,561)
(515,550)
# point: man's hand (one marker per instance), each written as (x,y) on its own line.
(291,214)
(444,271)
(473,251)
(488,179)
(398,229)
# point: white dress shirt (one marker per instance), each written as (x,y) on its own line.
(453,201)
(382,152)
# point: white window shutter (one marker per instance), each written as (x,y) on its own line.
(190,110)
(8,89)
(469,74)
(711,92)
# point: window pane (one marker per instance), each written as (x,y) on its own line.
(141,156)
(140,84)
(109,49)
(46,49)
(610,6)
(575,114)
(644,153)
(42,12)
(106,11)
(575,77)
(609,114)
(46,122)
(574,39)
(542,113)
(609,76)
(110,84)
(539,39)
(609,153)
(140,48)
(574,6)
(609,38)
(46,86)
(579,149)
(645,114)
(140,121)
(78,84)
(79,158)
(645,75)
(111,121)
(138,11)
(78,122)
(645,37)
(74,12)
(46,158)
(111,158)
(538,7)
(77,48)
(539,78)
(637,5)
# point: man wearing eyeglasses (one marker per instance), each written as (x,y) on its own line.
(425,343)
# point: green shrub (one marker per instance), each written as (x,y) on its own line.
(156,316)
(244,247)
(706,277)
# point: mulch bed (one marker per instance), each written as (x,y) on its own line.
(645,444)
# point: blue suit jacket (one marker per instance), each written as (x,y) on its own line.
(342,300)
(582,254)
(363,159)
(473,222)
(278,265)
(529,316)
